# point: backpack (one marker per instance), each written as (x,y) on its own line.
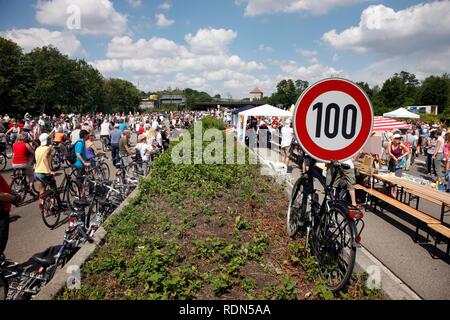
(71,155)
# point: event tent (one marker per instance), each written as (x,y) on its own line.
(401,113)
(261,111)
(386,124)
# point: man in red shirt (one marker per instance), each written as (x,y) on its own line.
(6,199)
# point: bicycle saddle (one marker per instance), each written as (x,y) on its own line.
(80,203)
(44,261)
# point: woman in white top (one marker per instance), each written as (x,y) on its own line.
(145,150)
(287,134)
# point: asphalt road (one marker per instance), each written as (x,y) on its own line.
(28,233)
(389,237)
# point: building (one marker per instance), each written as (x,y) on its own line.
(146,104)
(423,109)
(256,94)
(177,100)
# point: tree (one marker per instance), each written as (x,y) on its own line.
(393,93)
(301,86)
(120,95)
(435,91)
(287,93)
(14,85)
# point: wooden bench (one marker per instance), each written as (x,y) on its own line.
(420,216)
(440,230)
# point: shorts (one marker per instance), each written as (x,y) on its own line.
(27,166)
(346,179)
(44,178)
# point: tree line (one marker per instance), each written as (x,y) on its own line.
(402,89)
(46,81)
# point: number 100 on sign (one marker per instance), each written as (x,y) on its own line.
(333,119)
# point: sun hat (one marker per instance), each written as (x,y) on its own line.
(43,138)
(397,136)
(288,121)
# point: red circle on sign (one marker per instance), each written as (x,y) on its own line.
(305,102)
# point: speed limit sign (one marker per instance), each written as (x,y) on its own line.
(333,120)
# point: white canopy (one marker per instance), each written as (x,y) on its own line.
(261,111)
(401,113)
(266,111)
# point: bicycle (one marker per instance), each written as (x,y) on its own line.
(59,156)
(106,145)
(20,185)
(330,227)
(4,155)
(102,167)
(53,204)
(125,181)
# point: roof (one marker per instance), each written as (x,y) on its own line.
(245,108)
(266,111)
(401,113)
(256,90)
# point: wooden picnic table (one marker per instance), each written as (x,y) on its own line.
(417,190)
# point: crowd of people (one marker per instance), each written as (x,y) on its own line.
(34,141)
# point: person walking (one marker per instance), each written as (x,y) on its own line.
(115,136)
(431,148)
(287,135)
(438,155)
(398,154)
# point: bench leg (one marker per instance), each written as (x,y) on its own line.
(417,231)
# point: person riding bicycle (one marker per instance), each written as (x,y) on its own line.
(92,151)
(105,131)
(23,155)
(43,172)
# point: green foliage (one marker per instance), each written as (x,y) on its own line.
(435,90)
(287,290)
(321,291)
(45,80)
(221,284)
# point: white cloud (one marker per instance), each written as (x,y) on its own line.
(135,3)
(198,65)
(96,16)
(260,7)
(311,73)
(165,6)
(210,41)
(124,47)
(29,39)
(307,53)
(162,21)
(264,48)
(384,30)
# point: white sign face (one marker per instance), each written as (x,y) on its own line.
(333,120)
(332,124)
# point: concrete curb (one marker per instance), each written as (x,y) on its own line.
(60,278)
(392,286)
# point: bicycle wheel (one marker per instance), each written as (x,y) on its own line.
(296,208)
(50,211)
(19,186)
(333,246)
(3,162)
(133,170)
(71,193)
(3,288)
(105,171)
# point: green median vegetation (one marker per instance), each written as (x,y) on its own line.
(199,231)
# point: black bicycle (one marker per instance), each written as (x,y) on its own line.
(329,226)
(57,200)
(20,185)
(106,144)
(4,155)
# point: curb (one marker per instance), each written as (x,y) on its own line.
(391,286)
(61,276)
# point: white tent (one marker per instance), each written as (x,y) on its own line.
(261,111)
(401,113)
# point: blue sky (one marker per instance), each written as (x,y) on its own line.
(232,46)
